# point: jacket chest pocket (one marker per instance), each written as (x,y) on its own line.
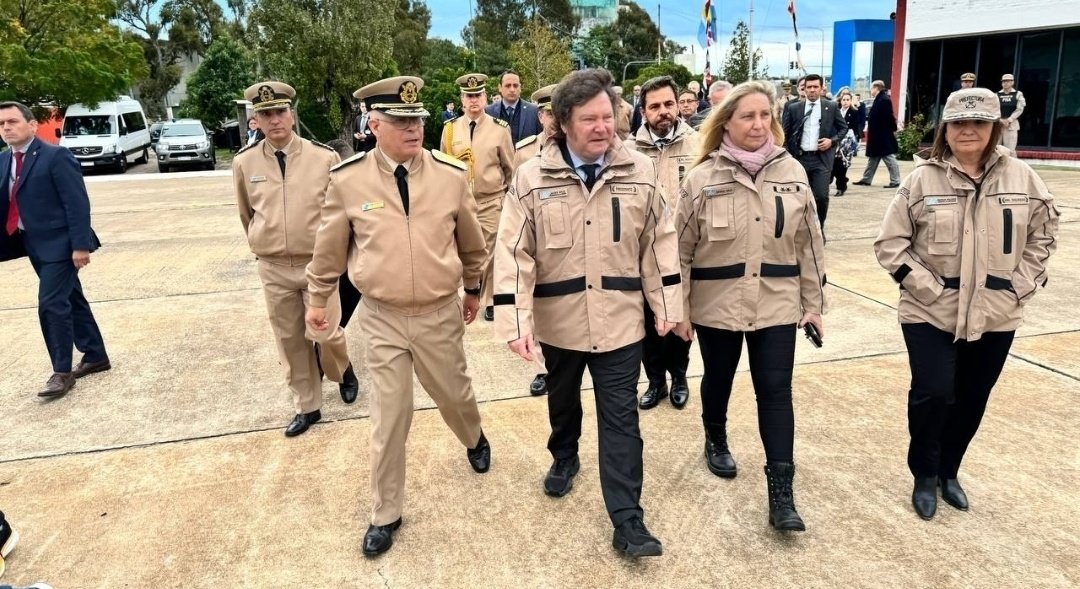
(721,217)
(944,232)
(557,234)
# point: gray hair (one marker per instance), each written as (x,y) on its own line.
(720,85)
(577,88)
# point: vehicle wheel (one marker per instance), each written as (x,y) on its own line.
(144,158)
(121,165)
(162,168)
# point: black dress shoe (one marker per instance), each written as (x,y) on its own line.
(560,477)
(379,539)
(680,393)
(652,396)
(480,456)
(349,387)
(538,386)
(633,539)
(953,494)
(84,367)
(840,193)
(58,385)
(924,497)
(861,183)
(301,423)
(489,313)
(893,185)
(719,459)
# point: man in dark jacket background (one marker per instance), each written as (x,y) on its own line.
(881,137)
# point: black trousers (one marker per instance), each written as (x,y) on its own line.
(839,173)
(65,315)
(669,354)
(772,359)
(350,298)
(819,174)
(950,386)
(615,375)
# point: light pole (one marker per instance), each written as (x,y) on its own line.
(820,31)
(630,63)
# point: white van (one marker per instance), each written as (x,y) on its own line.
(106,136)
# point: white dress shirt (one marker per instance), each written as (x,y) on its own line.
(811,126)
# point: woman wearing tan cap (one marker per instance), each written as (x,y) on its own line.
(967,237)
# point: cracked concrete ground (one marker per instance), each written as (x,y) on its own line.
(172,471)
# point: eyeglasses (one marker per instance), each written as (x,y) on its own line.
(688,101)
(405,123)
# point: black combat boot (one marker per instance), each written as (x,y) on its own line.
(782,514)
(717,456)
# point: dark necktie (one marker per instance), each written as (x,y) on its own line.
(590,174)
(281,161)
(509,114)
(13,207)
(472,129)
(403,187)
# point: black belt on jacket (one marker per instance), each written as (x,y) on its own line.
(573,285)
(951,282)
(739,270)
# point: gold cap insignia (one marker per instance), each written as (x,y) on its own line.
(266,93)
(408,92)
(472,82)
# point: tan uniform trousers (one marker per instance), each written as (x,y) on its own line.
(397,344)
(489,209)
(1010,134)
(285,288)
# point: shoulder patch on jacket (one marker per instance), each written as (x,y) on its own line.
(247,147)
(525,141)
(501,122)
(351,160)
(323,145)
(449,160)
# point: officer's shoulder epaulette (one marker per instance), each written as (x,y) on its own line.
(525,141)
(247,147)
(501,122)
(323,145)
(448,121)
(348,161)
(448,159)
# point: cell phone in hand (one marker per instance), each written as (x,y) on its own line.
(812,334)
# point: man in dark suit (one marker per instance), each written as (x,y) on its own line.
(813,129)
(881,137)
(521,115)
(45,208)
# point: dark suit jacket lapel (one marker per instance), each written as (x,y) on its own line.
(7,159)
(29,160)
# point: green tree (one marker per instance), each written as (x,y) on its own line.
(315,47)
(442,65)
(737,67)
(221,78)
(540,57)
(64,52)
(498,24)
(412,20)
(680,74)
(632,37)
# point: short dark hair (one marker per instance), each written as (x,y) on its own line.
(577,88)
(688,91)
(657,83)
(814,78)
(503,75)
(22,108)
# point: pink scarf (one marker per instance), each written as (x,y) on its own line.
(751,160)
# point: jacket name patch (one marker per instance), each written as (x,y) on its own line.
(718,191)
(371,206)
(546,194)
(622,189)
(934,201)
(1013,200)
(789,189)
(255,179)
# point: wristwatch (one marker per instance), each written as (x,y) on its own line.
(473,291)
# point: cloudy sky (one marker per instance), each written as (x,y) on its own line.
(679,20)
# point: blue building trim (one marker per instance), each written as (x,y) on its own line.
(845,34)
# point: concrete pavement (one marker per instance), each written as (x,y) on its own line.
(172,471)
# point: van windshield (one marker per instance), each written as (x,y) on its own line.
(88,125)
(182,131)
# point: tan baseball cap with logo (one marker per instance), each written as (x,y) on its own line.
(972,104)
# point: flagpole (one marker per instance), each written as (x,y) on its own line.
(750,43)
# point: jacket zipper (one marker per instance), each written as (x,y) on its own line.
(616,220)
(1007,222)
(779,217)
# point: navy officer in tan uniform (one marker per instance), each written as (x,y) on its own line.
(584,231)
(483,142)
(403,221)
(280,183)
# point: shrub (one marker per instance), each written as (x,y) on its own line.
(910,139)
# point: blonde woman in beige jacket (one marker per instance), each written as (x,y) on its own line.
(967,237)
(753,268)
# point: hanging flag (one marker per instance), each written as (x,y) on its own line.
(795,27)
(707,29)
(707,80)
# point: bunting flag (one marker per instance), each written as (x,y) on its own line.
(798,45)
(707,29)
